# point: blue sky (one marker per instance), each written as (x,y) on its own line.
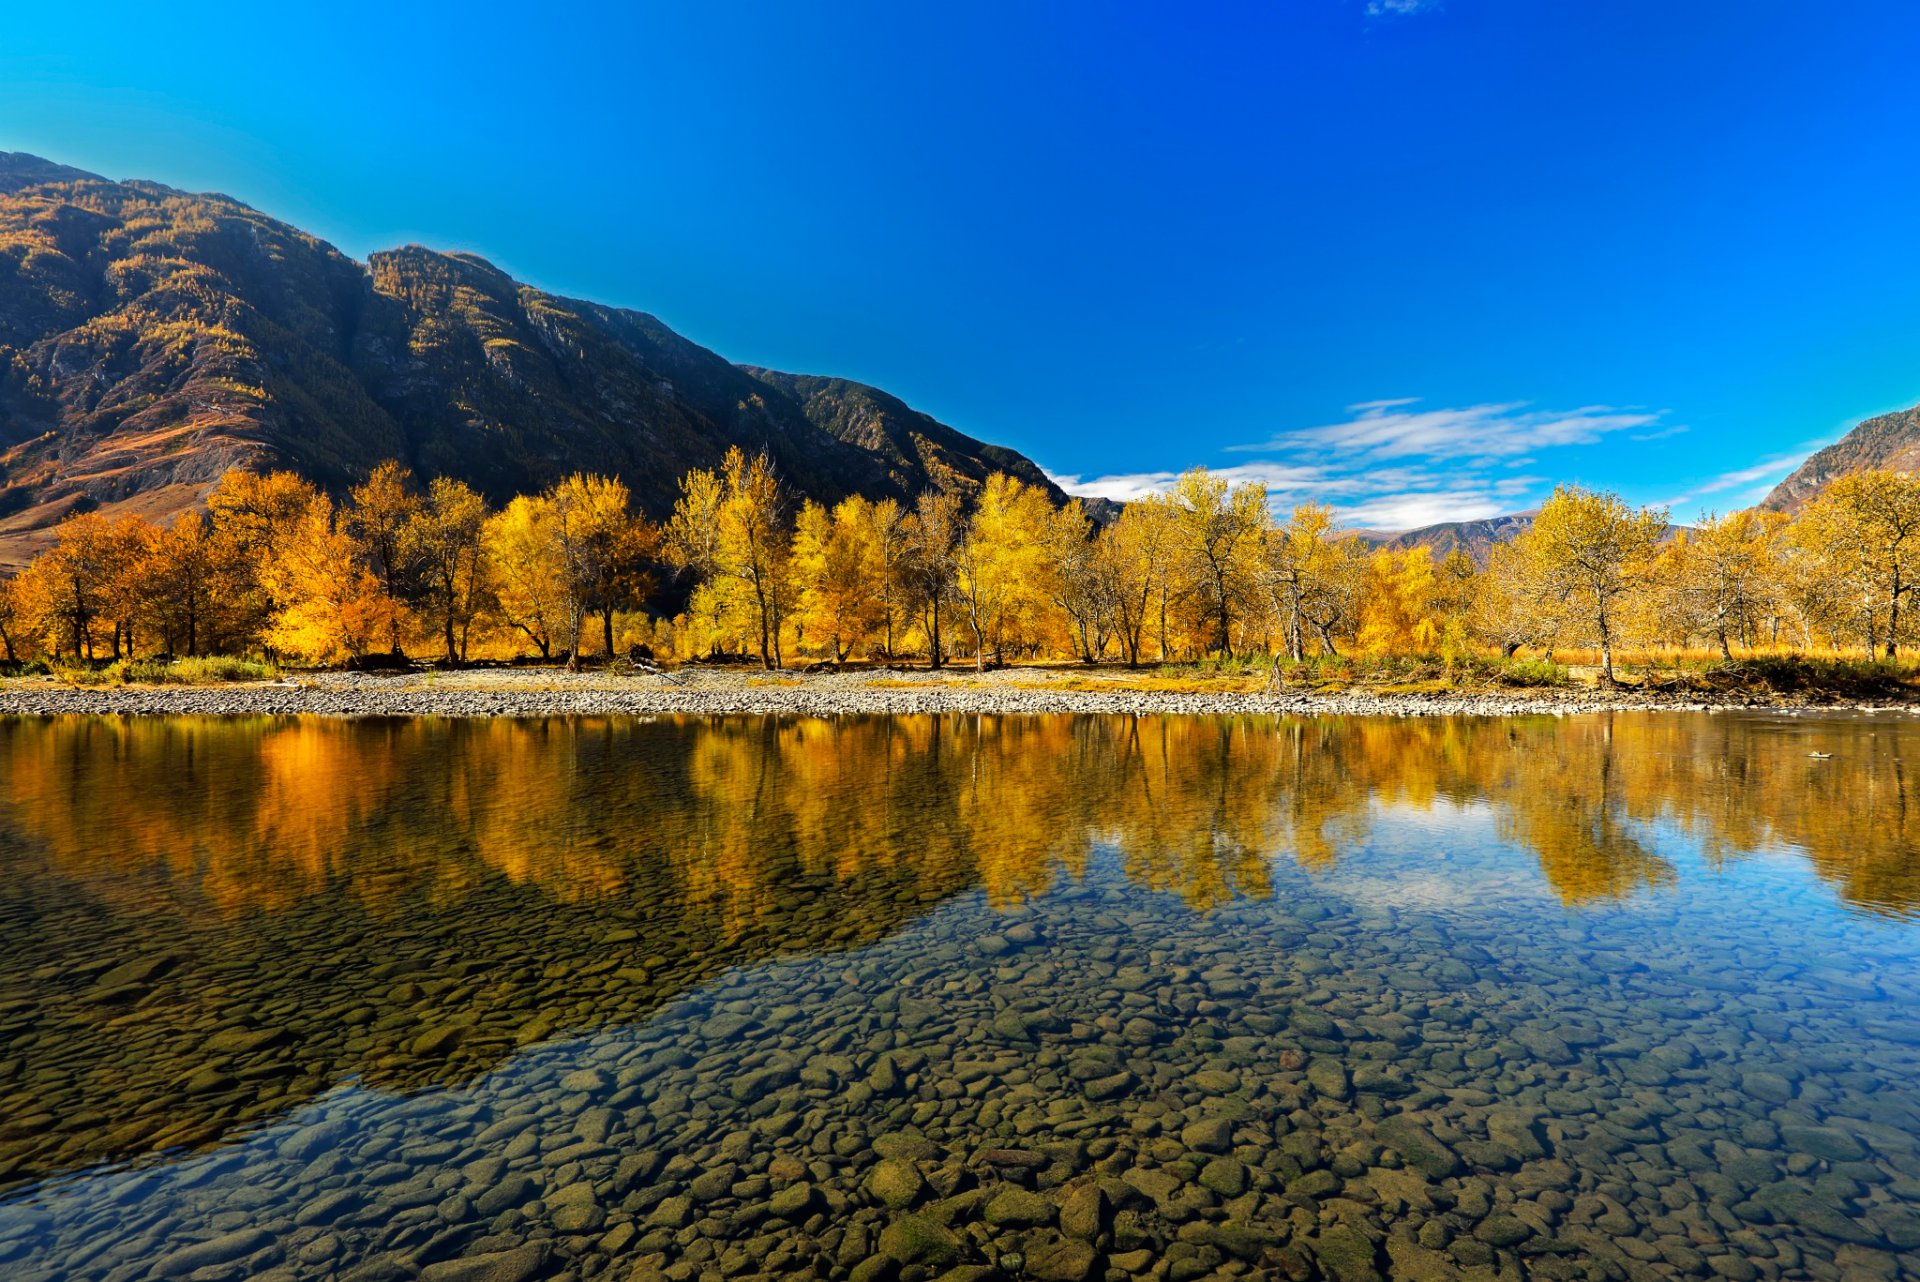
(1418,259)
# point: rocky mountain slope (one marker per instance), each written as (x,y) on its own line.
(150,339)
(1888,441)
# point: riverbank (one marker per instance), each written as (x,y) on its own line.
(506,692)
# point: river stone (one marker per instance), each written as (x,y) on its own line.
(672,1213)
(1329,1077)
(792,1202)
(1421,1149)
(896,1183)
(1501,1231)
(1822,1142)
(518,1265)
(1209,1135)
(1017,1208)
(1084,1212)
(219,1250)
(915,1239)
(1061,1259)
(1224,1176)
(1345,1253)
(1105,1088)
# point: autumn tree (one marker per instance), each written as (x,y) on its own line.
(378,513)
(1509,605)
(999,561)
(1132,565)
(732,526)
(1333,588)
(1593,553)
(257,512)
(1399,612)
(838,575)
(887,546)
(445,540)
(1868,526)
(1219,530)
(329,606)
(12,641)
(200,581)
(1723,577)
(930,564)
(1296,557)
(528,577)
(605,552)
(63,593)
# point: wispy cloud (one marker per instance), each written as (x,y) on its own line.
(1399,8)
(1279,478)
(1770,469)
(1395,466)
(1395,429)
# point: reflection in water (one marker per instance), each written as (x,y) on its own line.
(210,923)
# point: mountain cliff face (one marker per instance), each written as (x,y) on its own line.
(1890,441)
(150,339)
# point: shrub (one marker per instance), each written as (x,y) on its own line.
(1530,673)
(205,671)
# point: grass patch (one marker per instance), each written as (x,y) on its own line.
(206,671)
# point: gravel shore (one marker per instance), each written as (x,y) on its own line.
(551,692)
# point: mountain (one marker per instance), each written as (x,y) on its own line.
(150,339)
(1889,441)
(1475,538)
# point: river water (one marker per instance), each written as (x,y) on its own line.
(1610,996)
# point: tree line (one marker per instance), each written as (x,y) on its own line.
(273,564)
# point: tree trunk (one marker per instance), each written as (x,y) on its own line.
(933,638)
(606,629)
(1726,651)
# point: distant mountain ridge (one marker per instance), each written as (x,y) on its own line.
(1475,538)
(150,339)
(1890,441)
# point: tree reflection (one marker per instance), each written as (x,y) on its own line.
(460,888)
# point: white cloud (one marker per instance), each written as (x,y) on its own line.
(1411,511)
(1392,429)
(1399,8)
(1279,478)
(1395,466)
(1775,466)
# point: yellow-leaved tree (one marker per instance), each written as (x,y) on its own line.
(1219,532)
(445,540)
(605,553)
(1723,578)
(930,565)
(329,606)
(12,640)
(528,577)
(1593,554)
(379,510)
(730,528)
(999,562)
(1133,555)
(838,576)
(1867,529)
(1400,612)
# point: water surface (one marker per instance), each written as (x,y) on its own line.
(1620,996)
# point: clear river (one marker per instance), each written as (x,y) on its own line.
(1614,996)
